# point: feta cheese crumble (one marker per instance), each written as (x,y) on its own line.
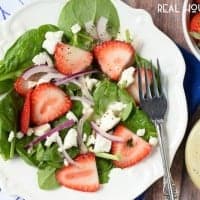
(40,130)
(51,139)
(43,58)
(127,78)
(116,107)
(30,131)
(91,140)
(51,40)
(19,135)
(75,28)
(90,82)
(102,144)
(87,109)
(11,136)
(140,132)
(71,116)
(108,121)
(71,139)
(153,141)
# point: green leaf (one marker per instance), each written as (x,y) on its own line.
(195,35)
(141,62)
(139,120)
(29,158)
(77,108)
(47,179)
(106,9)
(104,167)
(39,152)
(73,152)
(5,86)
(87,129)
(108,92)
(20,54)
(10,107)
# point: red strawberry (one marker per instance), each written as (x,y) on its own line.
(195,23)
(48,102)
(70,59)
(83,177)
(134,90)
(113,56)
(25,114)
(132,151)
(21,86)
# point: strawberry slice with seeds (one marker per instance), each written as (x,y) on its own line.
(21,86)
(83,177)
(195,23)
(113,56)
(132,151)
(48,102)
(133,89)
(70,59)
(25,114)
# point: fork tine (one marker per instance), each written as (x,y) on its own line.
(140,84)
(159,77)
(148,91)
(155,85)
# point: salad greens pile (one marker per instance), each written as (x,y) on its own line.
(19,57)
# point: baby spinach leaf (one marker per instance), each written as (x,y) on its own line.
(104,167)
(77,108)
(29,158)
(21,53)
(108,92)
(139,120)
(9,110)
(106,9)
(73,152)
(5,86)
(82,11)
(87,129)
(47,179)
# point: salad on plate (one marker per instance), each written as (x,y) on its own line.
(69,98)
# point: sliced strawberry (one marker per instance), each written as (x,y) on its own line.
(48,102)
(134,88)
(83,177)
(132,151)
(195,23)
(113,56)
(21,86)
(70,59)
(25,114)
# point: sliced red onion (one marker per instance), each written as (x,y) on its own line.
(73,76)
(106,135)
(48,77)
(84,89)
(37,69)
(65,154)
(102,29)
(82,99)
(66,124)
(91,29)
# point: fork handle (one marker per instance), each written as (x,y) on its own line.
(169,188)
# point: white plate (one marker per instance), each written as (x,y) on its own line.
(19,178)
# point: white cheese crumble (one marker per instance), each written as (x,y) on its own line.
(90,82)
(11,136)
(51,40)
(108,121)
(75,28)
(153,141)
(51,139)
(140,132)
(71,116)
(40,130)
(71,139)
(30,131)
(43,58)
(19,135)
(116,107)
(31,84)
(102,144)
(84,137)
(127,78)
(91,140)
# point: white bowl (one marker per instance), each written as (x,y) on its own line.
(185,21)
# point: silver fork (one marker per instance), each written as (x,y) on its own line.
(154,103)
